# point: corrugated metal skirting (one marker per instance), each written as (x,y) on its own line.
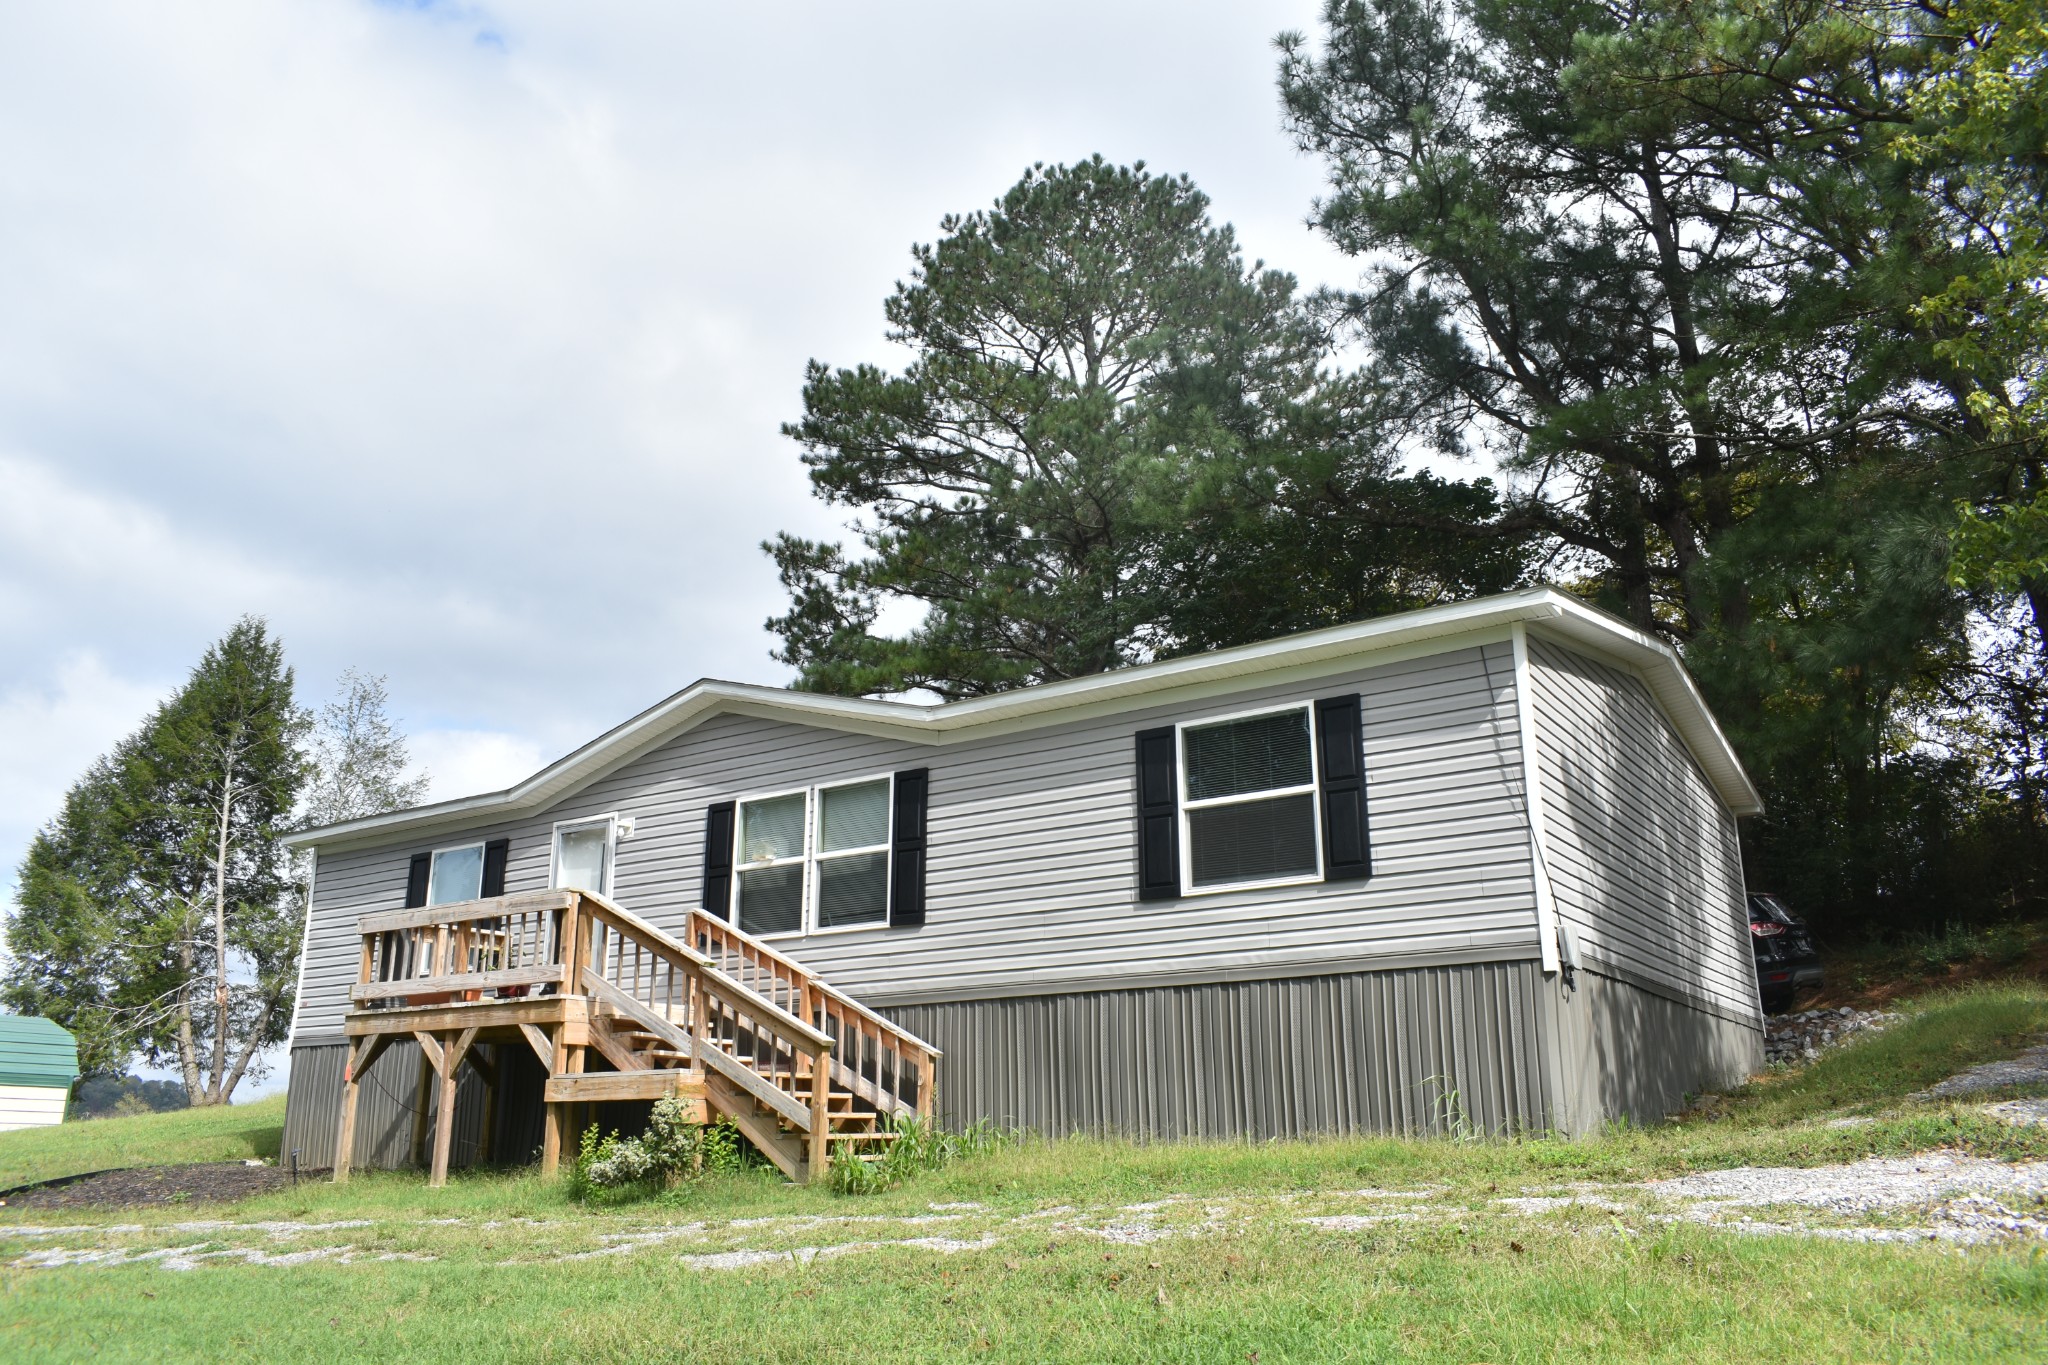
(390,1097)
(1632,1053)
(1423,1050)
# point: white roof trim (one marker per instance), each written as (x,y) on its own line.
(1547,610)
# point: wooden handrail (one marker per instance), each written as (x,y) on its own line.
(462,912)
(504,943)
(875,1057)
(717,981)
(705,923)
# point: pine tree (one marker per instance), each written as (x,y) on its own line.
(1102,396)
(156,912)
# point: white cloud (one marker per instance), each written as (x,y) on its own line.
(471,762)
(53,729)
(455,340)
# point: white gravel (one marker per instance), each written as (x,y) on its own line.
(2020,1111)
(1862,1187)
(2029,1068)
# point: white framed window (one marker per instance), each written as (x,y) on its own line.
(852,857)
(1250,809)
(457,875)
(583,854)
(813,860)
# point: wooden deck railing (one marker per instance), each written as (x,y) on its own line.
(884,1063)
(723,1001)
(509,945)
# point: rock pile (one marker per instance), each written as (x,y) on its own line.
(1800,1037)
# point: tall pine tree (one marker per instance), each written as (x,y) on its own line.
(155,912)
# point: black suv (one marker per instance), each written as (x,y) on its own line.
(1785,957)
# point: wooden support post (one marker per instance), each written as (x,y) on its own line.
(422,1097)
(345,1137)
(700,1018)
(579,1113)
(821,1113)
(444,1116)
(551,1129)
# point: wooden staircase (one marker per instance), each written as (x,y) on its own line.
(717,1017)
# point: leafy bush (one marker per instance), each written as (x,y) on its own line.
(104,1096)
(672,1150)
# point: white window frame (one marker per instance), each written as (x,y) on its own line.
(610,821)
(815,847)
(1314,787)
(814,814)
(739,833)
(479,846)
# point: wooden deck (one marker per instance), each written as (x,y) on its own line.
(741,1032)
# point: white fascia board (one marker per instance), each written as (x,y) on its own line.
(946,722)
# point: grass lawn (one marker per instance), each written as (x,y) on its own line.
(1077,1250)
(231,1134)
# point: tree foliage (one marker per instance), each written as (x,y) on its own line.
(359,756)
(1103,413)
(1668,266)
(154,913)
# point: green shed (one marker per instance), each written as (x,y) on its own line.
(38,1063)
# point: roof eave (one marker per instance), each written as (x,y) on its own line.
(936,724)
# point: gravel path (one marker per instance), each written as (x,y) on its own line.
(1938,1197)
(2029,1068)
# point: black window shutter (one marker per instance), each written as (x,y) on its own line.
(1347,852)
(906,854)
(495,853)
(416,880)
(1158,815)
(717,898)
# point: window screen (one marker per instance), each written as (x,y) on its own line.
(1253,841)
(1259,753)
(853,854)
(1250,804)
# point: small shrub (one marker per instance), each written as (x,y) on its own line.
(672,1150)
(724,1151)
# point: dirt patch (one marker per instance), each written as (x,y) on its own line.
(209,1182)
(1897,981)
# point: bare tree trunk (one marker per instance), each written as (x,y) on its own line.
(188,1046)
(220,932)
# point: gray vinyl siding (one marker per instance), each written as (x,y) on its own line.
(1032,863)
(1641,852)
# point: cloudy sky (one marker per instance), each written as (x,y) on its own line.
(454,339)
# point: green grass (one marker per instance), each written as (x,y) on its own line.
(233,1133)
(1265,1296)
(1473,1285)
(1943,1033)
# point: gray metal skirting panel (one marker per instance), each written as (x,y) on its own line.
(1627,1052)
(1418,1051)
(389,1098)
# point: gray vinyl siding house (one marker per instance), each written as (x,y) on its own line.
(1548,931)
